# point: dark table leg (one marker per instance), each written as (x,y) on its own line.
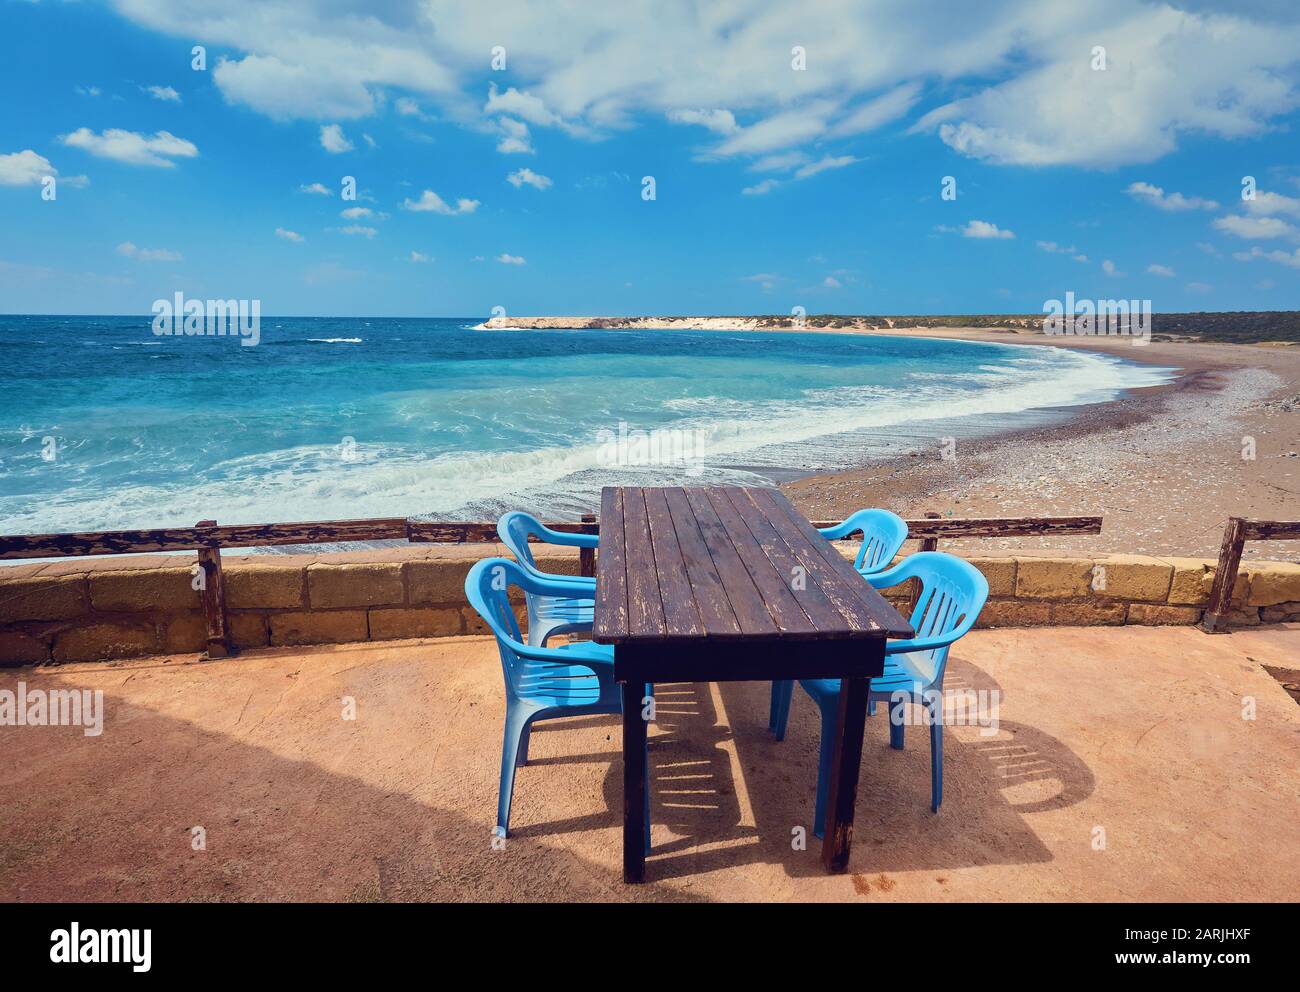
(634,782)
(844,774)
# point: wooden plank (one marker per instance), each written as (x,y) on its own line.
(635,775)
(121,542)
(645,612)
(890,621)
(843,586)
(1225,577)
(999,526)
(610,618)
(1271,530)
(190,538)
(681,616)
(810,598)
(763,603)
(743,596)
(710,594)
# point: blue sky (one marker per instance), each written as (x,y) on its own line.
(775,187)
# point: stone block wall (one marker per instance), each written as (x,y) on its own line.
(103,609)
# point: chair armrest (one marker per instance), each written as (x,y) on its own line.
(561,537)
(584,652)
(889,577)
(549,584)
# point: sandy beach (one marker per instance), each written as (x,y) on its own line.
(1164,466)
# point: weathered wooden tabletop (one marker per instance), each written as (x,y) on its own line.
(725,562)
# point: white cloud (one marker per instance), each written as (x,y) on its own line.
(288,235)
(417,256)
(830,282)
(765,279)
(410,108)
(1156,197)
(985,229)
(717,121)
(761,188)
(1060,111)
(880,111)
(319,189)
(1108,267)
(359,230)
(431,202)
(779,131)
(1254,228)
(582,68)
(521,177)
(1053,248)
(356,213)
(1198,287)
(515,139)
(822,164)
(507,259)
(165,93)
(88,90)
(129,250)
(778,162)
(24,168)
(1281,257)
(1161,270)
(132,147)
(1272,203)
(333,140)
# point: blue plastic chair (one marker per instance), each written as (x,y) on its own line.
(541,683)
(883,534)
(570,607)
(952,594)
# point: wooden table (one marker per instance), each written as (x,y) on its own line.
(733,584)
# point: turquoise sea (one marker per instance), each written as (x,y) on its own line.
(104,425)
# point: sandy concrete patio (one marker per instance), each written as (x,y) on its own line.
(1136,731)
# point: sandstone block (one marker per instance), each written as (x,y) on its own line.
(1273,582)
(1053,578)
(146,590)
(391,624)
(43,598)
(264,587)
(17,648)
(368,584)
(318,627)
(1013,613)
(1090,613)
(1158,614)
(106,642)
(1133,577)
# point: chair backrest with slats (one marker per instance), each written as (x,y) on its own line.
(514,529)
(487,587)
(953,592)
(883,534)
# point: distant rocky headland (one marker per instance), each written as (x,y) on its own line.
(1242,327)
